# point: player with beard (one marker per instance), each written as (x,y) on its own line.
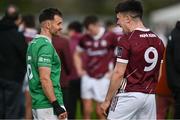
(43,67)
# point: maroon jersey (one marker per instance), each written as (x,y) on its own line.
(143,51)
(61,44)
(29,34)
(99,52)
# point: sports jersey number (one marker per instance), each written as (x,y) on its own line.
(29,72)
(152,61)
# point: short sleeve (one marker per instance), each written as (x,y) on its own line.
(80,47)
(45,56)
(114,40)
(123,50)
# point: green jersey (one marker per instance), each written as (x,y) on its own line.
(41,53)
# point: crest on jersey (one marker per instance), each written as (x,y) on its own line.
(88,43)
(119,51)
(96,44)
(104,43)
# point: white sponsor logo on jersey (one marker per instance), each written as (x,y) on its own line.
(96,52)
(88,43)
(147,35)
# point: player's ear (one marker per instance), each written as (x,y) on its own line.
(127,18)
(48,24)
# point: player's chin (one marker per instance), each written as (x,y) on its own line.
(56,33)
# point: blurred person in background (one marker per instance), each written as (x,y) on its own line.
(173,67)
(43,69)
(131,94)
(12,64)
(164,96)
(28,28)
(112,27)
(109,25)
(98,46)
(74,34)
(61,44)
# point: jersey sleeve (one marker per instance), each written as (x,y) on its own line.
(112,39)
(123,50)
(45,56)
(80,47)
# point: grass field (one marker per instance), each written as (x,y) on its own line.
(79,115)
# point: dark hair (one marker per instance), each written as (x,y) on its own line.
(48,14)
(76,26)
(12,13)
(109,23)
(90,20)
(133,6)
(29,21)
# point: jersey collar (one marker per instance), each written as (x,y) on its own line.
(38,35)
(100,34)
(143,29)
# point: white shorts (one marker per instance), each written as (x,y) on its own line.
(45,114)
(95,89)
(133,105)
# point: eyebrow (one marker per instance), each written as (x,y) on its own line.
(59,22)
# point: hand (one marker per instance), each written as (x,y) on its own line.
(104,107)
(108,75)
(62,116)
(82,73)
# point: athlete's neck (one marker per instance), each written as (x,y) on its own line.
(46,33)
(136,25)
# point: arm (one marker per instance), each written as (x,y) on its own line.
(115,83)
(78,63)
(46,83)
(44,67)
(49,91)
(116,80)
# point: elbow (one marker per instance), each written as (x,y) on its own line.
(118,74)
(44,79)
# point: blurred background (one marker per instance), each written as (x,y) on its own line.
(161,13)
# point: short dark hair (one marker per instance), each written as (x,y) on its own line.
(90,20)
(48,14)
(109,23)
(29,21)
(133,6)
(76,26)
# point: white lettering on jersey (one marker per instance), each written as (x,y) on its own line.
(29,72)
(96,52)
(29,57)
(152,61)
(147,35)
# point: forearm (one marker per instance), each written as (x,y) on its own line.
(115,83)
(48,89)
(78,62)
